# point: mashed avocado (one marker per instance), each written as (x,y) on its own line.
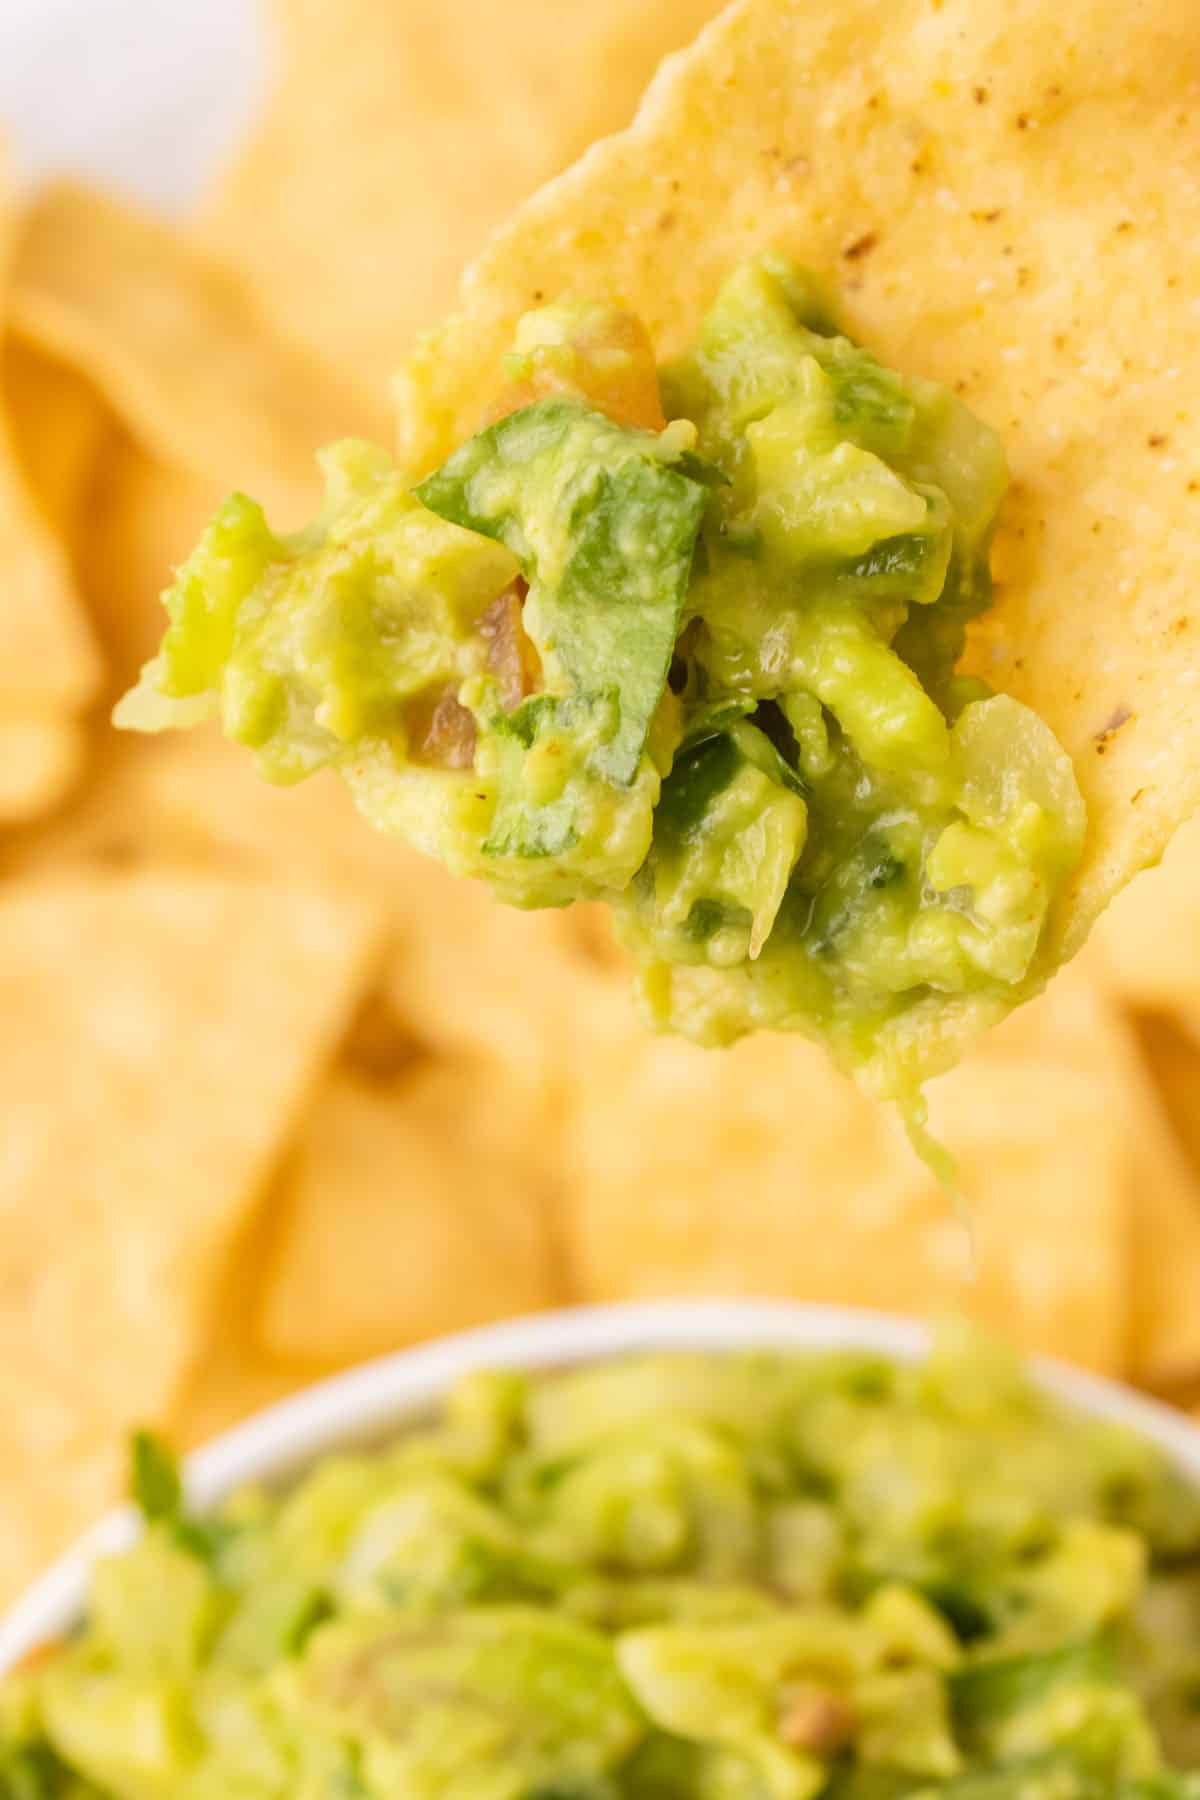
(703,669)
(692,1578)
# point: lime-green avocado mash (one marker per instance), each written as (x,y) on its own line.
(704,669)
(753,1577)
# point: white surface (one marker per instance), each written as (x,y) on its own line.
(146,96)
(381,1396)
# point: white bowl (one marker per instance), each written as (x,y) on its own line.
(381,1397)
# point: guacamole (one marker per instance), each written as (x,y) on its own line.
(684,639)
(751,1577)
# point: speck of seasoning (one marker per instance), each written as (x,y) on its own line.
(861,246)
(1059,340)
(981,96)
(539,295)
(666,221)
(675,186)
(1180,625)
(1136,796)
(1024,277)
(917,166)
(1097,527)
(1124,224)
(874,102)
(960,386)
(1172,281)
(1193,487)
(1054,90)
(1121,715)
(1156,440)
(1023,121)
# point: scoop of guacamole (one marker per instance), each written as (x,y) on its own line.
(682,638)
(755,1577)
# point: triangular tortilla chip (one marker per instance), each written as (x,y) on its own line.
(180,347)
(164,1033)
(401,134)
(1008,194)
(1148,945)
(415,1206)
(49,663)
(761,1171)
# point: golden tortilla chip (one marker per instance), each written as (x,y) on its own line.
(170,1028)
(467,976)
(760,1171)
(231,1376)
(416,1205)
(1074,1024)
(61,428)
(50,663)
(143,519)
(177,343)
(1005,208)
(41,759)
(400,135)
(1173,1057)
(1149,942)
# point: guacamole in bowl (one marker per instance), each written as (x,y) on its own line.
(671,1574)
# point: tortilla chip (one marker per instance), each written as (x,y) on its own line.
(50,662)
(231,1375)
(61,428)
(1002,214)
(169,1031)
(1076,1025)
(1173,1057)
(760,1171)
(400,135)
(41,759)
(143,519)
(417,1205)
(1149,942)
(177,343)
(467,976)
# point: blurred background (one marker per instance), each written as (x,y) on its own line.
(274,1095)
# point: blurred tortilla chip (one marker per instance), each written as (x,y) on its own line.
(1149,940)
(416,1205)
(50,662)
(170,1028)
(178,345)
(400,135)
(1000,214)
(61,427)
(41,758)
(144,518)
(761,1171)
(468,976)
(1173,1056)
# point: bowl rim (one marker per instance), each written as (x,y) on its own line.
(372,1398)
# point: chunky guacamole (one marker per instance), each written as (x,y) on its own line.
(754,1577)
(684,638)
